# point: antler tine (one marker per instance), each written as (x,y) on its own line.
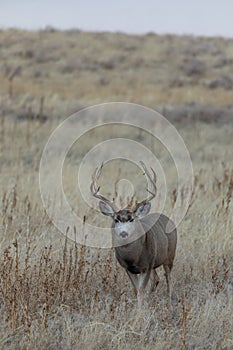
(95,187)
(152,181)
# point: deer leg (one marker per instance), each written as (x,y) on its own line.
(142,282)
(154,281)
(134,279)
(167,270)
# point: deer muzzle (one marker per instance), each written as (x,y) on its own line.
(124,234)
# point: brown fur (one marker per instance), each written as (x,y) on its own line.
(155,248)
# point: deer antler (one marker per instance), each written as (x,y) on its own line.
(95,188)
(152,182)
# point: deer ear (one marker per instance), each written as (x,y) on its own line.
(143,209)
(106,209)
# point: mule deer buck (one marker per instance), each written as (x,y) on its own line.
(141,241)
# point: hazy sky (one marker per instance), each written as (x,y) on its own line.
(200,17)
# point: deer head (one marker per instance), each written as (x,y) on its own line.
(125,220)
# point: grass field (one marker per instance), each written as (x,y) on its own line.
(55,294)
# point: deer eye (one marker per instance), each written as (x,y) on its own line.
(131,220)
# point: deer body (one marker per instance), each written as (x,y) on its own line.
(142,242)
(154,248)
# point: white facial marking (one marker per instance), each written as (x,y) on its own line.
(123,227)
(134,230)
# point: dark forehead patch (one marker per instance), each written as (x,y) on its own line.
(124,215)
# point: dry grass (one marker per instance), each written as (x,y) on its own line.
(58,295)
(55,294)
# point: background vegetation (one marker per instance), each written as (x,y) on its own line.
(58,295)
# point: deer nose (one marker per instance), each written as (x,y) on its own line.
(124,234)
